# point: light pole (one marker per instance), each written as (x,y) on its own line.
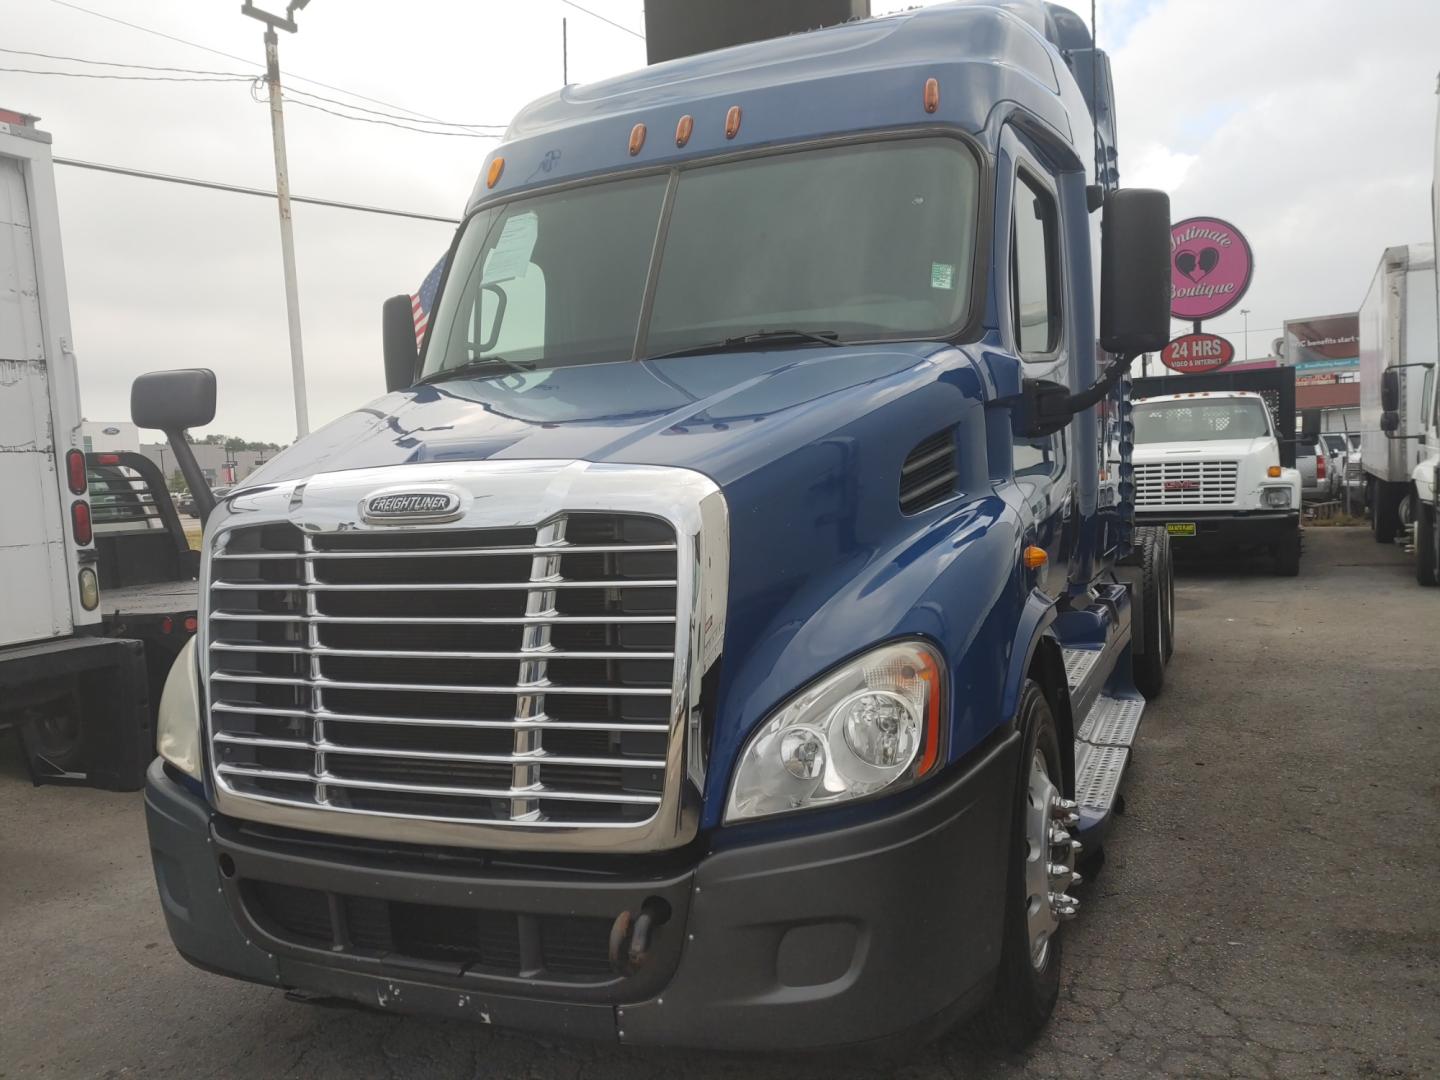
(282,195)
(1245,314)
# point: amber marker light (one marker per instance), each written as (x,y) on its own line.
(496,168)
(930,675)
(732,122)
(932,95)
(684,129)
(1035,557)
(1273,470)
(637,139)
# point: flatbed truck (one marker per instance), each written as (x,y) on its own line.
(726,631)
(81,664)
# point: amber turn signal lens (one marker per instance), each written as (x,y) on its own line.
(1274,470)
(732,122)
(932,95)
(684,129)
(1035,557)
(496,168)
(637,139)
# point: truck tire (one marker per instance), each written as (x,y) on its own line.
(1384,512)
(1287,556)
(1148,660)
(1167,597)
(1027,983)
(1427,546)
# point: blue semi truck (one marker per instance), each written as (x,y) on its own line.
(730,629)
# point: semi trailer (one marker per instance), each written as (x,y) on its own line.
(730,629)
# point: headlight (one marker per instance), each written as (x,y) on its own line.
(1276,496)
(872,724)
(177,728)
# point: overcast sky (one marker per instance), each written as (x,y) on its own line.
(1309,124)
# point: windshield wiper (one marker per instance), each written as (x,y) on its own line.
(756,338)
(493,364)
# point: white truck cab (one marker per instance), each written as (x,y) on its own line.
(1207,467)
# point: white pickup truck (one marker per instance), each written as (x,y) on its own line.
(1207,467)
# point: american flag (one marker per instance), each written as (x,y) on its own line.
(423,302)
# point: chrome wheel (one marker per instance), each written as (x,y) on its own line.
(1049,860)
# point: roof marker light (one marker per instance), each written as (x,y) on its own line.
(732,122)
(932,95)
(684,129)
(637,139)
(496,168)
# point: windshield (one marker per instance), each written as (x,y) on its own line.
(1197,420)
(868,242)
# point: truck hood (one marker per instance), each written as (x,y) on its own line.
(712,413)
(1203,450)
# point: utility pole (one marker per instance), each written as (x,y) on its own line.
(1245,314)
(282,197)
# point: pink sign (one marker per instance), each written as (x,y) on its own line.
(1210,267)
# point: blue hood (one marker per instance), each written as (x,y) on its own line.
(716,414)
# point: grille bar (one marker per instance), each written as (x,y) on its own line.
(427,654)
(536,792)
(438,688)
(537,757)
(1186,483)
(440,620)
(422,553)
(436,722)
(432,586)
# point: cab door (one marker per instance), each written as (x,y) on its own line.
(1033,301)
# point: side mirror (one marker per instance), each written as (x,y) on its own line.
(1135,272)
(1390,419)
(1390,394)
(173,401)
(398,338)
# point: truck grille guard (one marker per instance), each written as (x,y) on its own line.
(488,654)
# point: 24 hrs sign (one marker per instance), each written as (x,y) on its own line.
(1195,353)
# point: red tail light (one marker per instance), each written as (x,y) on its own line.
(190,624)
(107,459)
(1319,466)
(75,471)
(80,521)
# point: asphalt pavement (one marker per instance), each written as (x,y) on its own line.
(1268,907)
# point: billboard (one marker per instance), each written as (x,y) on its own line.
(675,28)
(1210,268)
(1324,348)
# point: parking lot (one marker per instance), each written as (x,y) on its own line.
(1267,908)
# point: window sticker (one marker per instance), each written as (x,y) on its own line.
(511,255)
(942,276)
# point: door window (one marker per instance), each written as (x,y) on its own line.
(1035,269)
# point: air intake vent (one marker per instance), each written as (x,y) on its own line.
(928,475)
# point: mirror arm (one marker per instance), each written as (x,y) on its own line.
(190,469)
(1080,402)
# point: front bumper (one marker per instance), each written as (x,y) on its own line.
(1214,531)
(847,936)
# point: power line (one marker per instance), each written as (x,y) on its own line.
(593,15)
(388,123)
(392,116)
(131,78)
(215,185)
(116,63)
(242,59)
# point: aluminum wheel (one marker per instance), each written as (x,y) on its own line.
(1039,912)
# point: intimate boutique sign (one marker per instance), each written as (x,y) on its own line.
(1210,267)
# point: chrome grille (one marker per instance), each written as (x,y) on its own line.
(1352,472)
(1185,483)
(509,676)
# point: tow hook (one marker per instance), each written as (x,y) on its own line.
(631,932)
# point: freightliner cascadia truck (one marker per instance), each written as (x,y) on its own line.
(731,627)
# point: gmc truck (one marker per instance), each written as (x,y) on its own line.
(1208,471)
(730,628)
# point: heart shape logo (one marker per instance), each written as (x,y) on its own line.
(1185,263)
(1196,267)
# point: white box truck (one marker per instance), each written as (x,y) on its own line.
(1398,346)
(73,683)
